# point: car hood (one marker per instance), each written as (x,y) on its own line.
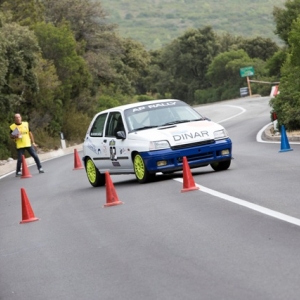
(179,134)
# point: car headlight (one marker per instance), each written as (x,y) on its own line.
(159,145)
(220,134)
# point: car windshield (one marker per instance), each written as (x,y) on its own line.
(148,116)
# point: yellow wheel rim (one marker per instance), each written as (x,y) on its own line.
(91,171)
(139,167)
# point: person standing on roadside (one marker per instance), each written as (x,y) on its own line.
(20,132)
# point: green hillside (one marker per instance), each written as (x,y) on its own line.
(157,22)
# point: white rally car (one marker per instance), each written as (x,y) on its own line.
(149,137)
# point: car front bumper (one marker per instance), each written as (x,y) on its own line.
(197,156)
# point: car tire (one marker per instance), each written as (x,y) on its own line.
(221,166)
(94,176)
(141,173)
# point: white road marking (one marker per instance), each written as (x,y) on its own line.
(258,208)
(243,110)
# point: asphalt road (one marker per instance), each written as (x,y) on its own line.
(234,238)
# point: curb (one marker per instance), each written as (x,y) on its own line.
(10,166)
(268,135)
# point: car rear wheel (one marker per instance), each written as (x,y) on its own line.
(141,173)
(93,174)
(221,166)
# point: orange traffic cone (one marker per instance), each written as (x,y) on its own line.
(188,180)
(27,212)
(111,194)
(77,162)
(25,170)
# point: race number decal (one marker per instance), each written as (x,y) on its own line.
(112,150)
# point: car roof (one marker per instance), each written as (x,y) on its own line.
(137,104)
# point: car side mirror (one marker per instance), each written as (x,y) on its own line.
(121,135)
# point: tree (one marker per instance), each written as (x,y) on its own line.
(225,68)
(131,66)
(3,62)
(86,18)
(184,63)
(47,107)
(294,41)
(259,47)
(284,18)
(224,74)
(287,103)
(275,63)
(58,45)
(229,42)
(24,12)
(19,49)
(18,58)
(96,40)
(154,73)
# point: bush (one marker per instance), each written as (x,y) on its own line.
(6,144)
(45,141)
(141,98)
(75,125)
(5,153)
(206,96)
(230,93)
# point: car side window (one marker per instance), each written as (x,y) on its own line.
(98,126)
(114,124)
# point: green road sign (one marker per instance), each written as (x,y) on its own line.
(247,71)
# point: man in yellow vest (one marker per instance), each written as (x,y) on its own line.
(20,132)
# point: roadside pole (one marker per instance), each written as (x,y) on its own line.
(62,140)
(249,86)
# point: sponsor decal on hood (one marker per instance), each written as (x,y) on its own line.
(179,134)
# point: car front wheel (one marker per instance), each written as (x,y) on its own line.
(221,166)
(93,174)
(141,173)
